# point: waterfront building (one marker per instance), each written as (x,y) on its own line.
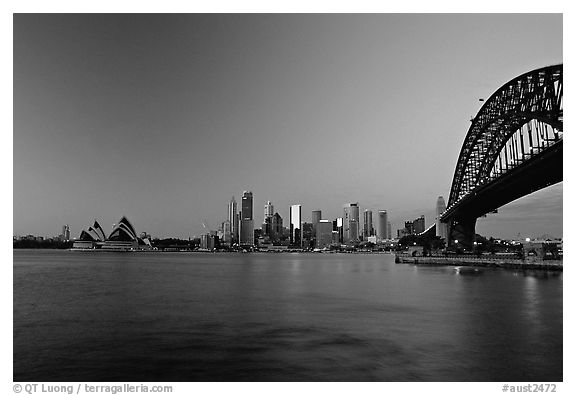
(247,220)
(267,227)
(97,232)
(324,233)
(268,210)
(257,235)
(65,235)
(247,232)
(389,230)
(409,227)
(419,225)
(339,227)
(226,232)
(233,219)
(335,237)
(276,227)
(368,228)
(316,217)
(381,229)
(123,237)
(268,214)
(247,205)
(237,236)
(296,225)
(441,227)
(208,241)
(84,241)
(351,222)
(308,234)
(94,237)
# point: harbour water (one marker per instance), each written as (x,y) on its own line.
(279,317)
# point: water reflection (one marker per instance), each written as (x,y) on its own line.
(259,317)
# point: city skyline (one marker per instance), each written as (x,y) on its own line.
(164,125)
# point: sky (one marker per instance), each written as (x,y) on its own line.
(163,118)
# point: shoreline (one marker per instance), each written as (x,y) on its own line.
(505,263)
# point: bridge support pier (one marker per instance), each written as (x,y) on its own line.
(462,233)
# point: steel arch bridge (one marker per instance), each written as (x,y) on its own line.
(513,148)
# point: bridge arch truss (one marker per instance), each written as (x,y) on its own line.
(520,120)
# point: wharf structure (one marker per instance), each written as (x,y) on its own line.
(537,254)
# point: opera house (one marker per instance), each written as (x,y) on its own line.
(122,238)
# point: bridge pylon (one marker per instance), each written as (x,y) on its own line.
(462,233)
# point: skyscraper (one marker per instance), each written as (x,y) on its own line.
(296,225)
(276,228)
(323,233)
(233,218)
(268,210)
(316,217)
(339,227)
(351,222)
(268,214)
(247,205)
(389,230)
(226,232)
(267,226)
(246,220)
(381,227)
(368,228)
(441,227)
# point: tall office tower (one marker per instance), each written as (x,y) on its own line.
(247,232)
(226,232)
(441,227)
(233,218)
(246,220)
(247,205)
(276,228)
(351,222)
(340,229)
(368,228)
(419,225)
(296,225)
(381,229)
(323,233)
(389,230)
(267,224)
(308,234)
(335,237)
(237,236)
(268,210)
(316,217)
